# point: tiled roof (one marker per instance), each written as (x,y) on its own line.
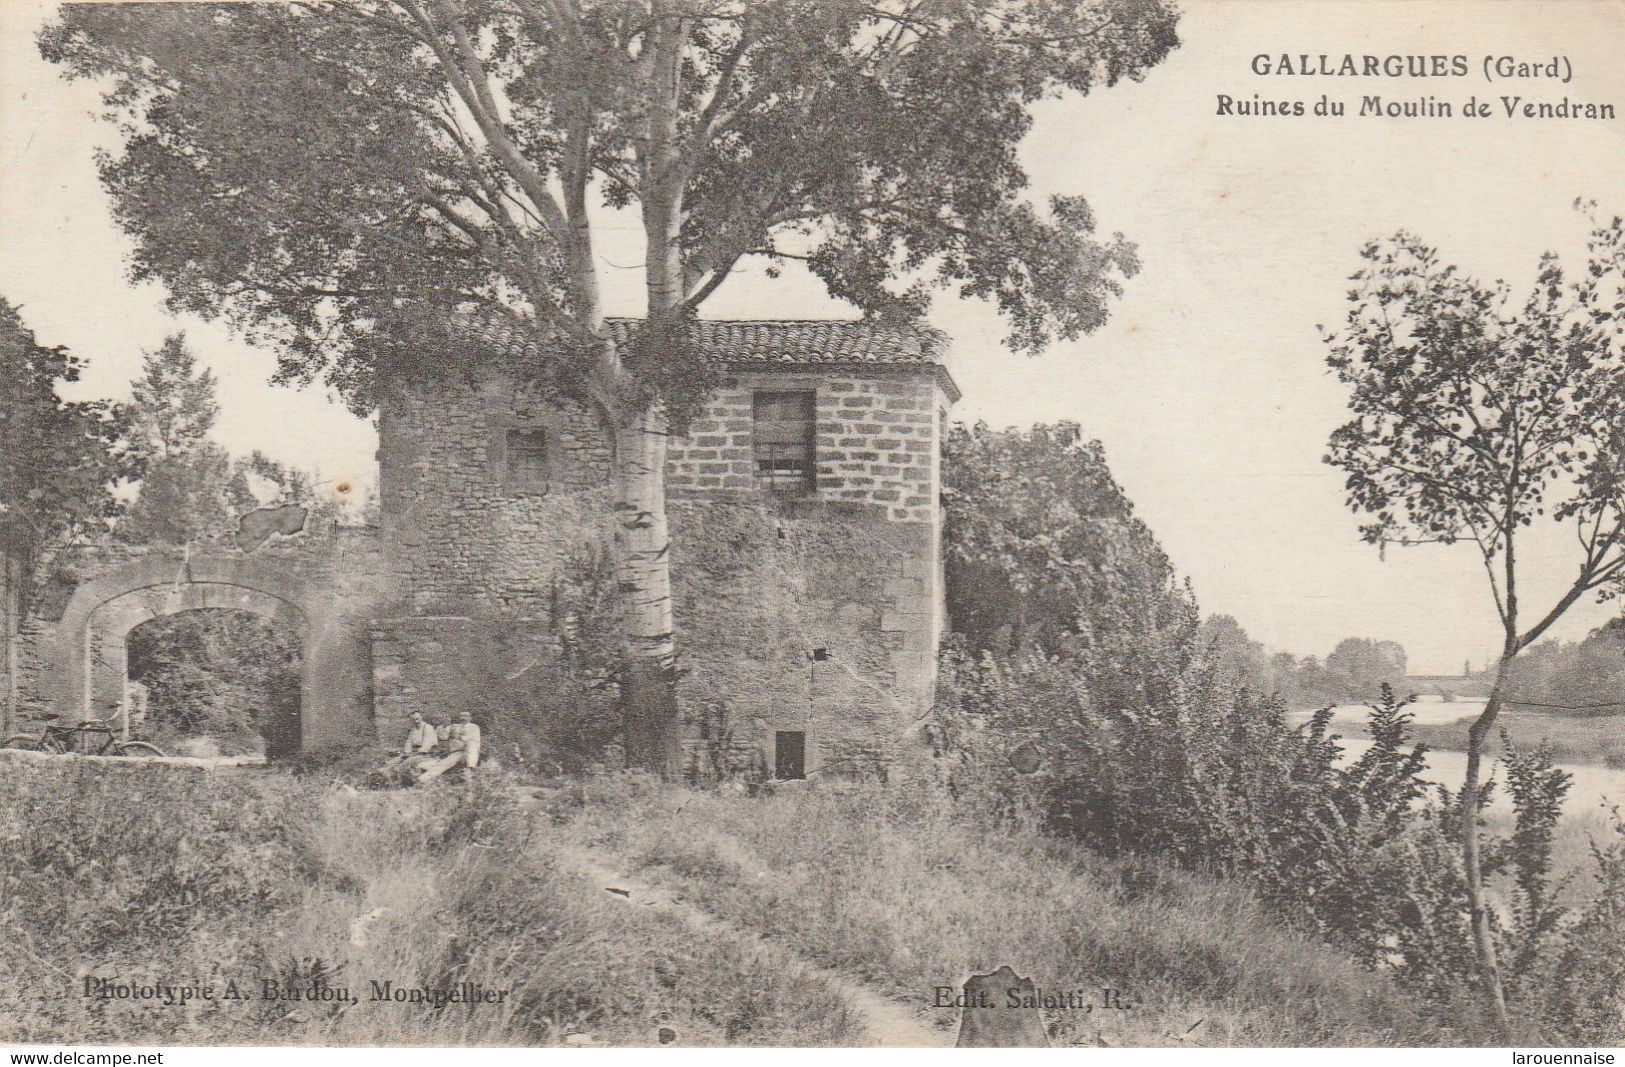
(808,341)
(771,342)
(762,340)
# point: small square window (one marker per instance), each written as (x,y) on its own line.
(782,437)
(526,457)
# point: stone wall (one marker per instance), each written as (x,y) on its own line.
(877,438)
(416,666)
(461,538)
(789,620)
(324,583)
(819,613)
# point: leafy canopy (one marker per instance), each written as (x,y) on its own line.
(58,459)
(173,404)
(1474,416)
(346,181)
(191,488)
(1043,549)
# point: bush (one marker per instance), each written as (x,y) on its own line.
(1362,851)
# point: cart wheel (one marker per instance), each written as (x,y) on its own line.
(23,742)
(137,748)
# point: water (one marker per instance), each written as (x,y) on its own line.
(1594,786)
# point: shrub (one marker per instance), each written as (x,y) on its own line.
(1363,851)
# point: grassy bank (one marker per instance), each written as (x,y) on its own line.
(168,876)
(913,895)
(1596,739)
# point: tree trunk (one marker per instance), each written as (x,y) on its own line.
(643,561)
(1489,967)
(652,735)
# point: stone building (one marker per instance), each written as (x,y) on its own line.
(805,521)
(806,529)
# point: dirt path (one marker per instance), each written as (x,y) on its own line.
(889,1024)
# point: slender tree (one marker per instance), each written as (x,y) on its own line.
(58,462)
(1474,418)
(184,488)
(173,403)
(353,181)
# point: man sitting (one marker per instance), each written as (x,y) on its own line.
(419,747)
(463,749)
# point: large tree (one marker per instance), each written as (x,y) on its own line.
(59,460)
(1476,417)
(353,181)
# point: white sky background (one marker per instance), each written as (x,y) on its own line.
(1208,385)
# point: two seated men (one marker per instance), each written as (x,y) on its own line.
(431,751)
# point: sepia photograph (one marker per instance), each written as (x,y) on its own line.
(888,524)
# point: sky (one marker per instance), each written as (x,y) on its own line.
(1207,387)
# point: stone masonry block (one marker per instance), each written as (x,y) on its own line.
(915,604)
(898,621)
(905,587)
(917,569)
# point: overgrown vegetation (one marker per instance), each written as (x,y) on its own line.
(227,679)
(1161,748)
(58,462)
(168,875)
(912,890)
(108,870)
(1578,679)
(545,691)
(1473,418)
(1361,852)
(218,681)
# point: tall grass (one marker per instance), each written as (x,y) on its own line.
(912,894)
(168,875)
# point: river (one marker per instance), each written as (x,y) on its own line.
(1594,786)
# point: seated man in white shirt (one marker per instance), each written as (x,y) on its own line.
(419,746)
(464,743)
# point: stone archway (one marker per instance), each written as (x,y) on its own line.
(88,658)
(323,589)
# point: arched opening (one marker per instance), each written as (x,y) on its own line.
(216,681)
(82,655)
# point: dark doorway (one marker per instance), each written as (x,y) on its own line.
(218,681)
(790,754)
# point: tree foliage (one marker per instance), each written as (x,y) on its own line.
(1585,678)
(1354,672)
(193,490)
(229,676)
(340,178)
(59,459)
(1474,418)
(173,403)
(1043,549)
(379,188)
